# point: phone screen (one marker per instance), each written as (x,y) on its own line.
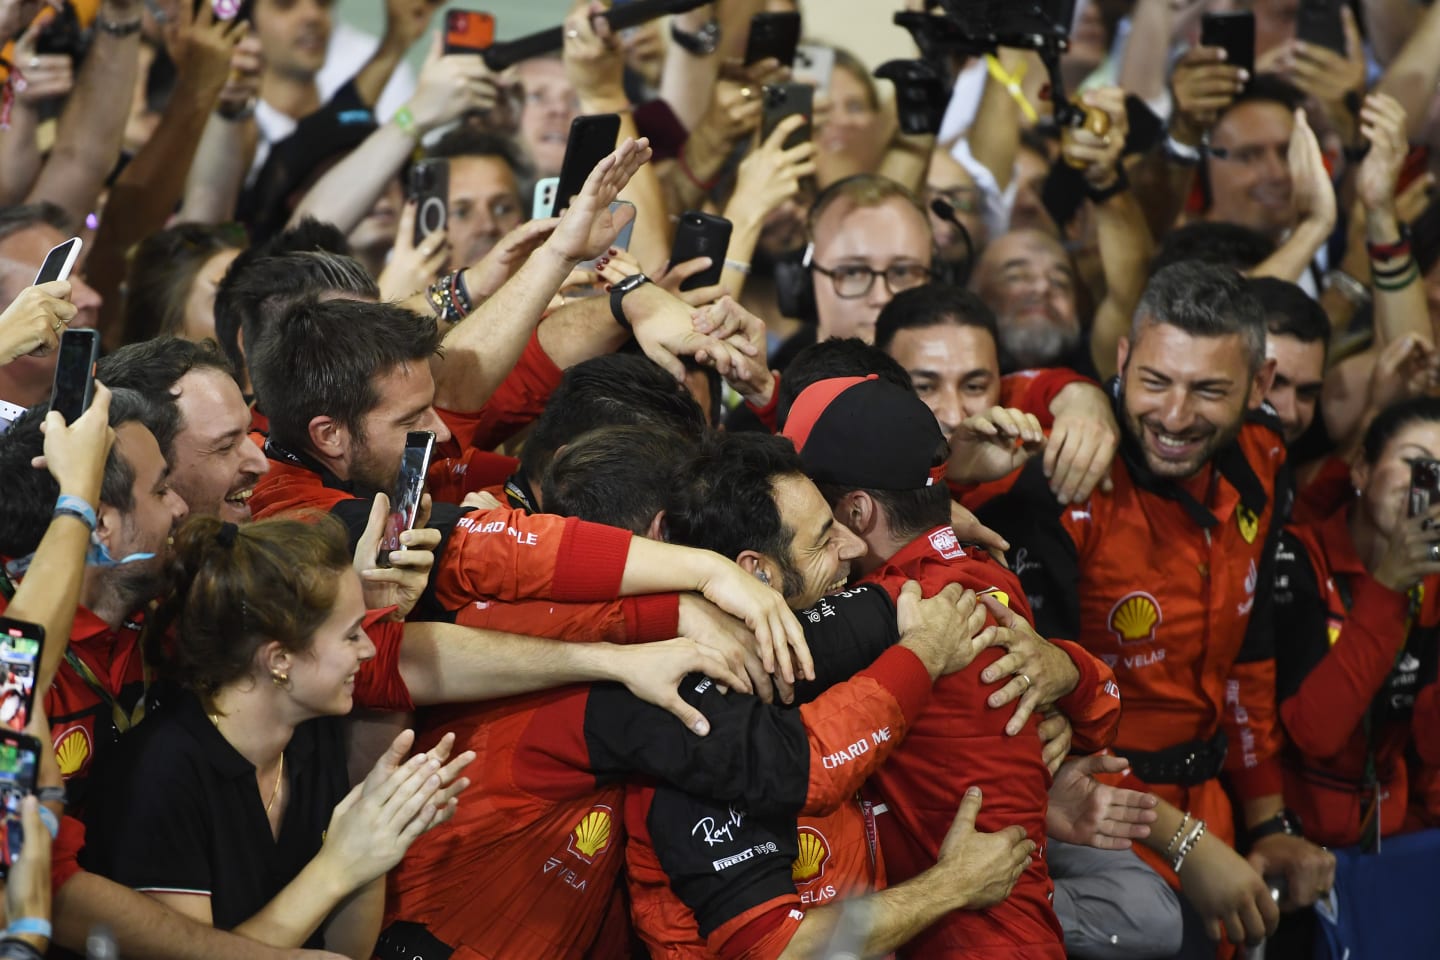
(75,373)
(59,261)
(20,644)
(592,139)
(405,498)
(19,761)
(468,31)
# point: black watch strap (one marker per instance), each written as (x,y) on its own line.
(1283,822)
(617,297)
(1120,185)
(702,42)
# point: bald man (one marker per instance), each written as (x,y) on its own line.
(1026,277)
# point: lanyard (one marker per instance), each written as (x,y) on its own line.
(123,721)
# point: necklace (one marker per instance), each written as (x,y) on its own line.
(279,773)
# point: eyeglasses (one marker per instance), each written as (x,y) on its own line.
(963,199)
(854,280)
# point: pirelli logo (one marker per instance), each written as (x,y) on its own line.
(725,863)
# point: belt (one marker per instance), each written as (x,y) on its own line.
(1185,764)
(406,940)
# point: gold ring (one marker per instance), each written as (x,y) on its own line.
(1025,678)
(747,93)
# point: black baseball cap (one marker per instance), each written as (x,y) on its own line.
(865,433)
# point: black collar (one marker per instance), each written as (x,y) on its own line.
(1229,461)
(304,461)
(519,493)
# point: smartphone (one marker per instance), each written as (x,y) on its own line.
(1424,485)
(430,189)
(773,35)
(1318,22)
(592,139)
(405,498)
(814,63)
(622,239)
(20,643)
(780,101)
(544,200)
(468,31)
(59,261)
(74,385)
(701,235)
(1235,32)
(19,764)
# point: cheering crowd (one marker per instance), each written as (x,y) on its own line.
(1012,538)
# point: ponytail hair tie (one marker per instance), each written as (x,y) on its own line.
(225,536)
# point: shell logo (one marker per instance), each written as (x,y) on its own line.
(1134,618)
(592,834)
(814,854)
(72,751)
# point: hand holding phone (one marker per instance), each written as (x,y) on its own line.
(1235,33)
(20,646)
(59,261)
(430,189)
(781,100)
(409,486)
(468,31)
(701,235)
(74,384)
(19,766)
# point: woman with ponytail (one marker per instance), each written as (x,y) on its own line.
(231,803)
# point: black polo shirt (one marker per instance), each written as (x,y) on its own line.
(179,811)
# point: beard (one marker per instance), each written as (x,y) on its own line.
(1030,345)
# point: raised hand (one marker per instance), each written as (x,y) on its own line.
(449,87)
(1082,442)
(412,268)
(1314,195)
(587,227)
(75,453)
(41,76)
(32,324)
(1204,86)
(992,444)
(1382,123)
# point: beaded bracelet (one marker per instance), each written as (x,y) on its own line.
(460,294)
(1179,832)
(1188,845)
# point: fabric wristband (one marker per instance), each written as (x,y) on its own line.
(32,926)
(67,505)
(52,823)
(405,120)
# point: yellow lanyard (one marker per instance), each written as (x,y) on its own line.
(123,721)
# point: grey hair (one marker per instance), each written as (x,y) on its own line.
(1203,300)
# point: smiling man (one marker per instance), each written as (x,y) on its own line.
(1159,579)
(1247,169)
(1026,277)
(213,464)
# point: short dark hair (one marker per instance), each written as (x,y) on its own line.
(1203,300)
(23,216)
(846,357)
(153,367)
(1269,87)
(616,389)
(932,305)
(162,268)
(722,498)
(323,358)
(243,295)
(466,141)
(1214,241)
(27,495)
(1290,311)
(618,476)
(909,513)
(1392,420)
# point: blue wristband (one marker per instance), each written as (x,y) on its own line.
(34,926)
(52,823)
(76,507)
